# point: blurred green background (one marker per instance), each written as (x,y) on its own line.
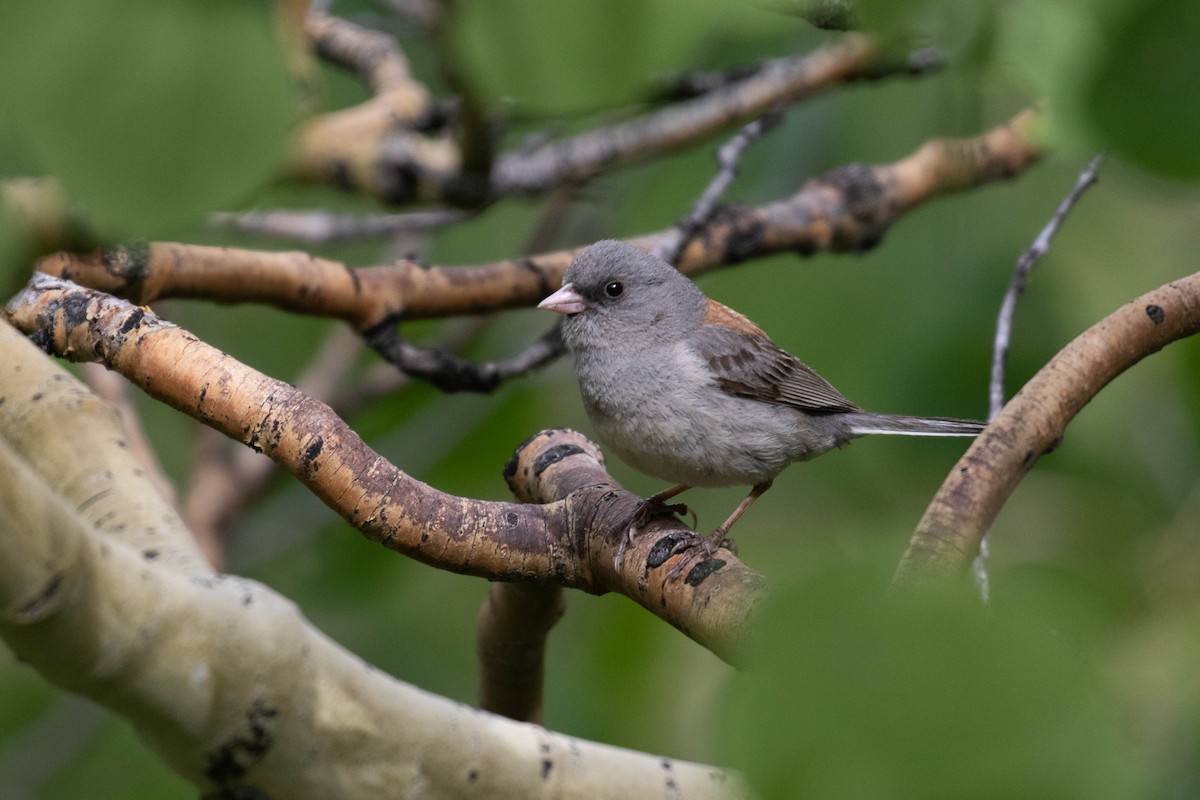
(1091,641)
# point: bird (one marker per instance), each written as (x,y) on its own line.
(689,391)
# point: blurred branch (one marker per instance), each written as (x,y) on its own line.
(778,82)
(847,209)
(511,633)
(373,55)
(320,227)
(1033,422)
(570,542)
(372,148)
(219,675)
(1020,276)
(729,156)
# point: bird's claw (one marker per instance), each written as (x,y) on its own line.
(698,549)
(650,508)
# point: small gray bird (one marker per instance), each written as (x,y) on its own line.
(690,391)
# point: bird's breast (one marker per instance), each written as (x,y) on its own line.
(663,414)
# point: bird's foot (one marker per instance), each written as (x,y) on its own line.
(697,550)
(651,507)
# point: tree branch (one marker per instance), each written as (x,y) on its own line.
(1033,422)
(222,677)
(571,541)
(729,156)
(1020,276)
(511,634)
(361,149)
(847,209)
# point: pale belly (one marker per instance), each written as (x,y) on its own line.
(680,427)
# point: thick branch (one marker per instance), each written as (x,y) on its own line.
(848,209)
(222,677)
(571,542)
(1032,423)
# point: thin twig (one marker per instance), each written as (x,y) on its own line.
(1039,248)
(729,156)
(450,373)
(319,227)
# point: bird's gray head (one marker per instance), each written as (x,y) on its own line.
(615,295)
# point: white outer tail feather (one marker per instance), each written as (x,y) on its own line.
(900,425)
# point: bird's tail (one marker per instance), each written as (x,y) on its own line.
(863,423)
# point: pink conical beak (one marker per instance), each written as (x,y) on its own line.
(565,301)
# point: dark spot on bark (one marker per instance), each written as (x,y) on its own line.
(866,204)
(472,775)
(203,393)
(43,339)
(397,180)
(353,273)
(33,609)
(664,547)
(230,760)
(74,310)
(1156,314)
(510,466)
(247,599)
(553,456)
(340,176)
(424,537)
(130,265)
(547,765)
(745,232)
(311,452)
(132,321)
(702,570)
(511,519)
(1027,461)
(98,496)
(149,555)
(36,396)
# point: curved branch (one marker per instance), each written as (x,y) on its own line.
(1032,424)
(569,542)
(847,209)
(221,676)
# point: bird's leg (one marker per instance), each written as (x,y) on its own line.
(656,503)
(715,540)
(652,506)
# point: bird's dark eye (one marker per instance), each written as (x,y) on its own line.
(614,289)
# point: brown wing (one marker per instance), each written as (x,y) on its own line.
(747,363)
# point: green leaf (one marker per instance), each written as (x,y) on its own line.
(923,696)
(149,113)
(1143,96)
